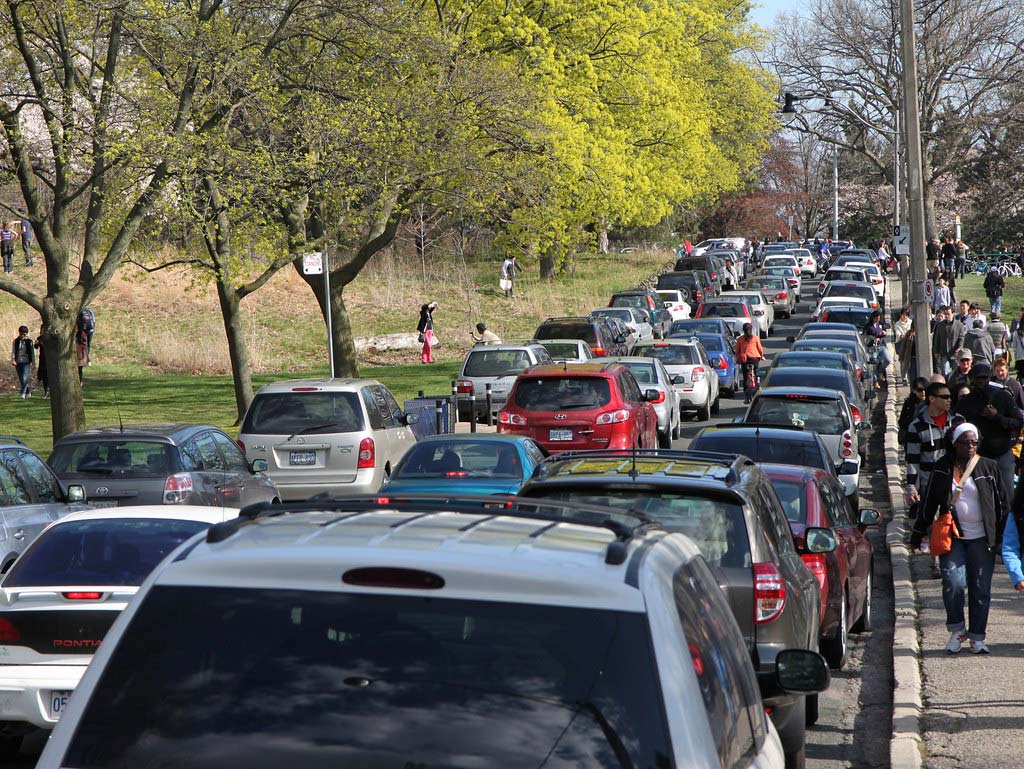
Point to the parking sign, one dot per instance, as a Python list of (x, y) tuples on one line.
[(901, 239)]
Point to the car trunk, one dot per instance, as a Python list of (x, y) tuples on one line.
[(575, 430), (43, 627), (107, 492), (312, 459)]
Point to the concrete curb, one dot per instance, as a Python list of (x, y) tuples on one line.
[(906, 747)]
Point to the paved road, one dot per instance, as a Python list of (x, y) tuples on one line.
[(855, 714)]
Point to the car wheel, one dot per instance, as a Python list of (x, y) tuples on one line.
[(10, 746), (811, 715), (834, 648), (704, 412), (716, 406), (664, 440), (863, 623)]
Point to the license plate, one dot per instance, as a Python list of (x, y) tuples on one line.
[(58, 703), (302, 458), (560, 435)]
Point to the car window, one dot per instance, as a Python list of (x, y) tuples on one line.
[(381, 404), (47, 488), (670, 354), (212, 459), (490, 684), (304, 413), (836, 506), (584, 331), (818, 415), (535, 452), (630, 300), (688, 327), (712, 343), (564, 393), (788, 360), (113, 458), (376, 420), (470, 459), (392, 405), (494, 363), (723, 310), (721, 664), (629, 387), (797, 450), (563, 350), (233, 457), (643, 373), (12, 485), (191, 459), (777, 518), (793, 496)]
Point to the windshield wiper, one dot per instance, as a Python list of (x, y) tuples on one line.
[(313, 429), (568, 406)]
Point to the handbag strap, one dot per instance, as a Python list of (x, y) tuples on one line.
[(958, 487)]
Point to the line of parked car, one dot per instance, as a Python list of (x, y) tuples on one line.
[(382, 598)]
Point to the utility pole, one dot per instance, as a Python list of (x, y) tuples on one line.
[(835, 191), (915, 197)]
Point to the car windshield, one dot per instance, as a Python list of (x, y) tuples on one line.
[(622, 313), (670, 296), (670, 354), (460, 459), (584, 331), (793, 496), (687, 327), (791, 359), (776, 448), (562, 350), (844, 275), (630, 300), (677, 280), (779, 261), (784, 271), (820, 415), (495, 363), (563, 393), (856, 317), (308, 413), (334, 679), (100, 552), (114, 459), (716, 526), (723, 310)]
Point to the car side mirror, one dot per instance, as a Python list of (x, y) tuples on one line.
[(620, 338), (869, 516), (863, 426), (678, 379), (819, 540), (259, 465), (791, 339), (848, 468), (801, 671), (75, 493), (410, 419), (651, 395)]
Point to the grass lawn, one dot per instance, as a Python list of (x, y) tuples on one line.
[(144, 397)]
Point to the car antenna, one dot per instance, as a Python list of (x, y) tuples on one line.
[(120, 422)]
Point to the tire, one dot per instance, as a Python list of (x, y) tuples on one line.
[(811, 715), (863, 623), (834, 648), (10, 746), (797, 760), (664, 440), (704, 412), (716, 406)]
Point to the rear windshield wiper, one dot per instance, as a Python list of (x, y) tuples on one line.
[(314, 428)]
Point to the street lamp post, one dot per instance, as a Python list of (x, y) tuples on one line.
[(789, 112)]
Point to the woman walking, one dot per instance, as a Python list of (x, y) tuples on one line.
[(903, 332), (22, 357), (426, 329), (41, 375), (1017, 348), (968, 486), (875, 333), (749, 353)]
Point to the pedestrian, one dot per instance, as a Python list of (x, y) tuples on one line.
[(961, 375), (960, 260), (876, 332), (732, 279), (1017, 348), (508, 275), (1016, 322), (486, 337), (26, 237), (994, 285), (7, 236), (926, 443), (991, 408), (947, 338), (749, 354), (1011, 550), (426, 329), (940, 294), (22, 357), (1000, 335), (967, 485), (932, 252), (914, 399), (87, 324), (1001, 377), (41, 374), (948, 254), (974, 313), (81, 351), (903, 332), (978, 341), (965, 311)]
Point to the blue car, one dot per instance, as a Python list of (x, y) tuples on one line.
[(723, 357), (471, 463), (684, 329)]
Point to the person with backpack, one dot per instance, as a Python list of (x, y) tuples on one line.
[(23, 355), (87, 326), (994, 285)]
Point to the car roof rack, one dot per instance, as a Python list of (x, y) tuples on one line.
[(624, 524), (759, 426), (11, 439), (731, 462)]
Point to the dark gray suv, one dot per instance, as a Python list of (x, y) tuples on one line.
[(729, 508), (160, 464)]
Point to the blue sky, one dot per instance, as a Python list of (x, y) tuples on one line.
[(765, 11)]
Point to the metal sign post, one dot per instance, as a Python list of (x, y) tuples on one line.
[(317, 263)]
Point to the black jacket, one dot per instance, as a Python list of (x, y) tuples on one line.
[(26, 349), (907, 415), (994, 284), (991, 495), (998, 432), (932, 250), (426, 319)]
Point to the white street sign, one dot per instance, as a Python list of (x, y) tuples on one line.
[(901, 239), (313, 264), (929, 289)]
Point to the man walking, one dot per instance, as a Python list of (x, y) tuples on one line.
[(933, 251), (940, 294), (23, 355), (926, 441), (948, 337), (948, 254), (978, 341), (508, 274), (991, 408), (994, 285)]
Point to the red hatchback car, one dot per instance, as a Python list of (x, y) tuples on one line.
[(585, 406), (813, 497)]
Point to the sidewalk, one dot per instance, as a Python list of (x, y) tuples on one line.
[(960, 711)]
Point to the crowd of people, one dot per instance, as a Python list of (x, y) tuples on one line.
[(26, 353)]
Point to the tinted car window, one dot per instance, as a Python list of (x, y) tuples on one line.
[(712, 343), (47, 488), (584, 331), (819, 415), (13, 489), (558, 683), (232, 455), (793, 497), (819, 377), (858, 318), (643, 373), (629, 388), (212, 459), (376, 418), (380, 403), (562, 350), (622, 313), (460, 459), (795, 451), (562, 393), (723, 310), (670, 355), (191, 459), (107, 552), (496, 362), (113, 459), (631, 300), (304, 414), (788, 360), (684, 327)]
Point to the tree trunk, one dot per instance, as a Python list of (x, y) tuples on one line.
[(346, 363), (67, 409), (238, 349), (547, 267)]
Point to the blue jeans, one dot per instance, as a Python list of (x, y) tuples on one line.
[(8, 258), (997, 303), (24, 370), (967, 567)]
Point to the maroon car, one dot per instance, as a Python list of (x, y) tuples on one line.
[(812, 497)]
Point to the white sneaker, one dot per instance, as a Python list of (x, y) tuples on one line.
[(955, 642), (978, 647)]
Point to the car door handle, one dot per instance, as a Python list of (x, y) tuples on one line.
[(19, 534)]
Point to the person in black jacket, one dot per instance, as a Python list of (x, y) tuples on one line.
[(23, 355), (426, 329), (992, 409), (979, 512), (994, 285), (908, 412)]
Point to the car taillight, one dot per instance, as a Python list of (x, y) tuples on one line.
[(698, 374), (769, 593), (598, 351), (698, 296), (714, 275), (177, 489), (508, 418), (367, 454), (9, 631), (83, 596), (782, 295), (860, 373), (464, 386), (720, 363), (659, 399), (847, 442), (746, 310), (815, 563), (613, 417), (857, 418), (240, 445)]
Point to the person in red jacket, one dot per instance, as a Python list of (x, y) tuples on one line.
[(749, 353)]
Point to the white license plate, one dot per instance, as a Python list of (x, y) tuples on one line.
[(58, 703), (302, 458), (560, 435)]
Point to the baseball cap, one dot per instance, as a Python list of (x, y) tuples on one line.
[(965, 355)]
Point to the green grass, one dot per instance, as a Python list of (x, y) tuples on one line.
[(971, 288), (148, 398)]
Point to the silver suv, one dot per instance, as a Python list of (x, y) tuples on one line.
[(496, 365), (333, 436)]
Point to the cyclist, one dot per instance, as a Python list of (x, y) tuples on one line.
[(749, 353)]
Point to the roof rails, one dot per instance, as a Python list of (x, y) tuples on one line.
[(11, 439), (624, 524), (731, 462), (569, 317), (759, 425)]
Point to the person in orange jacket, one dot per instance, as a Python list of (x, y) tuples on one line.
[(749, 354)]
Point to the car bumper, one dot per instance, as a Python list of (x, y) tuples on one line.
[(365, 482), (26, 691), (664, 416), (693, 398), (851, 483)]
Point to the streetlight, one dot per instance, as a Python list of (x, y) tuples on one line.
[(789, 113)]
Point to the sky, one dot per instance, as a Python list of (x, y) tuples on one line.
[(765, 11)]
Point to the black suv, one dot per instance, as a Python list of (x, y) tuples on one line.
[(597, 332), (729, 508), (714, 266), (649, 302), (688, 281)]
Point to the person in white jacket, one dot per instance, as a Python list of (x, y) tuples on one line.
[(732, 278)]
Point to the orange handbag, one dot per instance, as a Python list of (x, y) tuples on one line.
[(944, 527)]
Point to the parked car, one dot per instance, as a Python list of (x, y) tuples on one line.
[(650, 373), (790, 274), (815, 498), (635, 323), (177, 464), (692, 373), (675, 302), (728, 507), (859, 289), (684, 329), (721, 352), (401, 611), (469, 463), (711, 287), (836, 301), (776, 290), (597, 333), (782, 260), (689, 281), (649, 302), (827, 330), (806, 261), (31, 498), (761, 310), (847, 274), (874, 276), (333, 436), (568, 350), (736, 314), (710, 264), (61, 596), (496, 365), (591, 405)]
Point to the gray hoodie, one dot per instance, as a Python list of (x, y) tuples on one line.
[(948, 338), (980, 344)]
